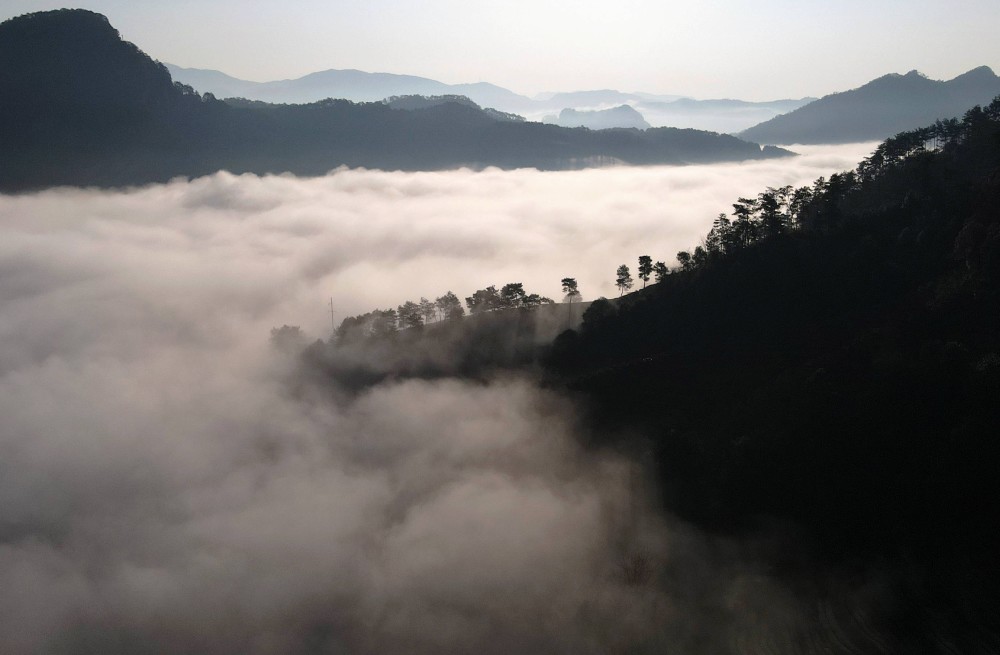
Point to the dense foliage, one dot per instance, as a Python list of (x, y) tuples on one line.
[(835, 333)]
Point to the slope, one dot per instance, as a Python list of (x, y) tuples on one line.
[(883, 107), (82, 107)]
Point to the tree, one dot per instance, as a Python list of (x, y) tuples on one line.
[(645, 268), (427, 309), (699, 257), (483, 300), (571, 293), (450, 306), (534, 300), (661, 271), (745, 228), (383, 322), (624, 279), (512, 295), (409, 315), (684, 259)]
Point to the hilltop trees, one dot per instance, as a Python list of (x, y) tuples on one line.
[(571, 293), (512, 295), (623, 280), (427, 309), (483, 300), (858, 316), (449, 306), (409, 315), (645, 268)]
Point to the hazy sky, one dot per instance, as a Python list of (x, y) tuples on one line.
[(751, 49)]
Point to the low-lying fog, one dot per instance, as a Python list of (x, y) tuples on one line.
[(162, 489)]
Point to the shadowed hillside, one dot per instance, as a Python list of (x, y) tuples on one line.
[(890, 104), (82, 107), (829, 359)]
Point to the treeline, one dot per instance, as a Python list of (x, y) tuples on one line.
[(829, 362), (382, 322), (824, 368), (825, 205), (828, 355)]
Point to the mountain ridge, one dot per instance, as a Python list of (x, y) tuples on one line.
[(81, 106), (662, 110), (880, 108)]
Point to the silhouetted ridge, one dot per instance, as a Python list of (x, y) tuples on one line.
[(76, 56), (82, 107), (885, 106), (828, 361)]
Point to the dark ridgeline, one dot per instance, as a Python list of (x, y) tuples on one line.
[(829, 359), (883, 107), (79, 106)]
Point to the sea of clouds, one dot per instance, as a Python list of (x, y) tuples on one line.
[(165, 487)]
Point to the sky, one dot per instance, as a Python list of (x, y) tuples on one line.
[(748, 49)]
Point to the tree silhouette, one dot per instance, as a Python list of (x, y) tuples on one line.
[(450, 306), (624, 279), (571, 292), (661, 271), (746, 230), (483, 300), (409, 315), (684, 259), (512, 295), (427, 309), (645, 268)]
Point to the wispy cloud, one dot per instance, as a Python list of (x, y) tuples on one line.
[(164, 489)]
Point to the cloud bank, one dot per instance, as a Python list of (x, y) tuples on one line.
[(164, 487)]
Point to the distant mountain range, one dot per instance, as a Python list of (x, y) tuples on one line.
[(879, 109), (656, 109), (883, 107), (354, 85), (80, 106)]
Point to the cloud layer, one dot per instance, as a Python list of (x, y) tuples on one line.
[(165, 488)]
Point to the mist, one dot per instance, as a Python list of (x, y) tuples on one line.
[(167, 486)]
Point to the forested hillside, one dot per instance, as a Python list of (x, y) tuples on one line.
[(826, 361), (829, 358)]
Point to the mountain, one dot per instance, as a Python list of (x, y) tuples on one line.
[(725, 116), (355, 85), (883, 107), (825, 371), (600, 119), (80, 106), (818, 383)]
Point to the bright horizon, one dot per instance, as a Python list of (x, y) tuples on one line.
[(763, 50)]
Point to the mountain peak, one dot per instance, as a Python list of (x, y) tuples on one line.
[(885, 106), (65, 21), (978, 73), (77, 55)]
